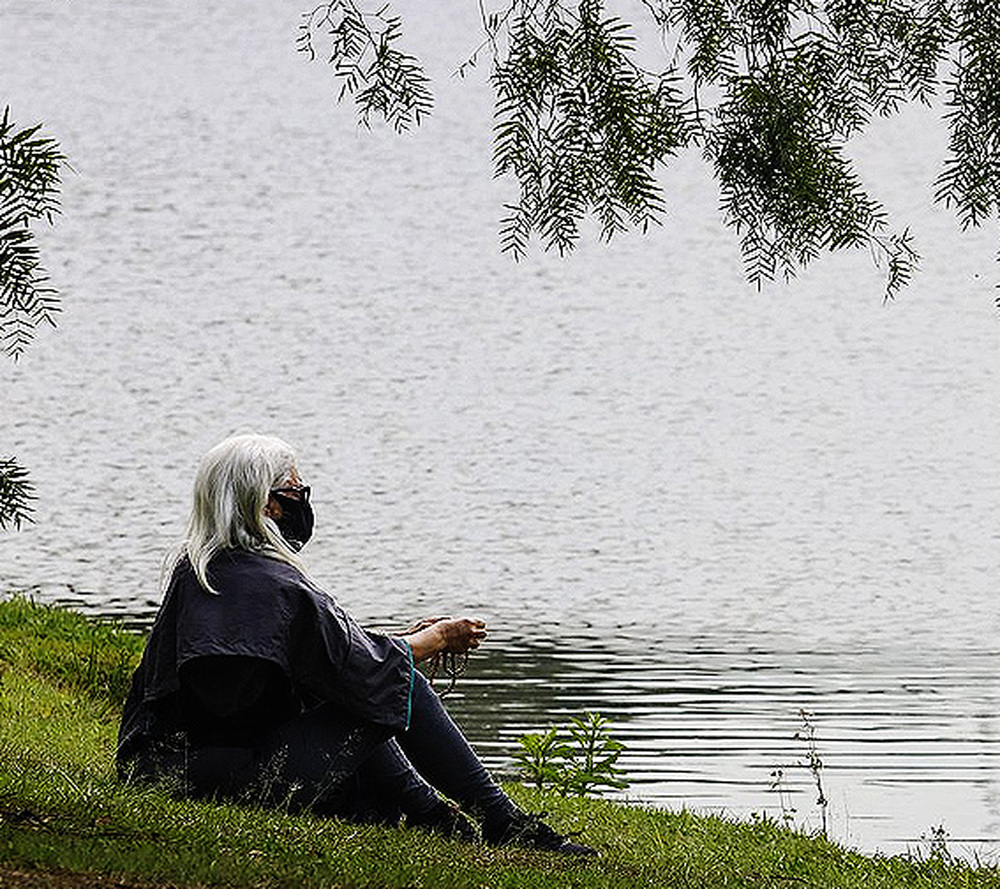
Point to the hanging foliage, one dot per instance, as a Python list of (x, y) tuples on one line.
[(769, 91), (29, 191)]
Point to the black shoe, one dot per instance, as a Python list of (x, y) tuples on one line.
[(446, 820), (532, 832)]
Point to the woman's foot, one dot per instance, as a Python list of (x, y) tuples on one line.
[(530, 831)]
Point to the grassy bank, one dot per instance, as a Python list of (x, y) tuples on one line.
[(64, 815)]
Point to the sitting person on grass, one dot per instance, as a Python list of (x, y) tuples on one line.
[(256, 685)]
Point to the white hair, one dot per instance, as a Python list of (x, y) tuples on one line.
[(231, 490)]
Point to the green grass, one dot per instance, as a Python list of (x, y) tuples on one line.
[(61, 808)]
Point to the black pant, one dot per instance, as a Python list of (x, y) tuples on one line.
[(331, 764)]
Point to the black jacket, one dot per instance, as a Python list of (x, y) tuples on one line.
[(227, 668)]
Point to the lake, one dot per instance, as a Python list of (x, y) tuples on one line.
[(694, 507)]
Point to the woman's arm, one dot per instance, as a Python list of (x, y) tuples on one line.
[(454, 635)]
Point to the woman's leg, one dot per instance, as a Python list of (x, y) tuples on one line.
[(311, 762), (334, 765), (438, 750), (386, 782), (442, 755), (325, 762)]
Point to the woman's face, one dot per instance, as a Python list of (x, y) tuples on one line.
[(289, 508), (290, 488)]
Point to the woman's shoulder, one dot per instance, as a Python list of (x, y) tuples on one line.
[(237, 569), (257, 562), (246, 570)]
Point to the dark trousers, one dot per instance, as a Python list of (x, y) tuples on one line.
[(330, 764)]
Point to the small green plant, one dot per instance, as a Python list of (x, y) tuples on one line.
[(541, 756), (813, 763), (578, 759), (777, 786), (935, 841)]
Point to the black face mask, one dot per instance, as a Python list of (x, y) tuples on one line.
[(297, 519)]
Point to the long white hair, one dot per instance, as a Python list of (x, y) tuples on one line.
[(231, 490)]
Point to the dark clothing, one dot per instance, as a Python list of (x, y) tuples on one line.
[(269, 691), (298, 649), (230, 700)]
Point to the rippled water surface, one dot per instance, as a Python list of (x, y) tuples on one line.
[(694, 507)]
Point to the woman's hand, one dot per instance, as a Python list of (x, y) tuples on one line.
[(421, 624), (454, 635), (461, 634)]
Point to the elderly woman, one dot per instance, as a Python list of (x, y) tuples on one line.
[(256, 685)]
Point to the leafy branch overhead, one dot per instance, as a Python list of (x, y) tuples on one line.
[(768, 91), (29, 191), (363, 49), (16, 494)]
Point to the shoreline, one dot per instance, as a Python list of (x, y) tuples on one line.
[(66, 822)]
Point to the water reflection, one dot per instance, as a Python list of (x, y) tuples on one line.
[(707, 726)]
